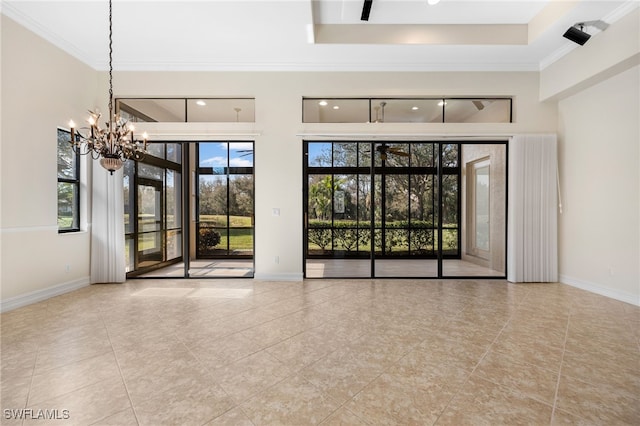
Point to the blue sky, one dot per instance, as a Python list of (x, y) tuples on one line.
[(214, 154)]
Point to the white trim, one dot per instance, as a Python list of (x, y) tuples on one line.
[(599, 289), (395, 135), (18, 229), (44, 294), (291, 276), (35, 27)]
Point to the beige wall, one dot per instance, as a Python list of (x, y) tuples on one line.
[(42, 88), (278, 149), (599, 153)]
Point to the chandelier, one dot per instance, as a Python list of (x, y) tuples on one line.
[(114, 144)]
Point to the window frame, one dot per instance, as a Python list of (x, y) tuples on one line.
[(73, 181)]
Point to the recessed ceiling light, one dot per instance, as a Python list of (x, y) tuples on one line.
[(432, 2), (200, 102), (323, 103), (441, 103), (336, 107), (415, 108)]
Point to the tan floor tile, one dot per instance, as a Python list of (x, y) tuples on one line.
[(233, 417), (343, 417), (563, 418), (621, 371), (484, 403), (195, 402), (293, 401), (87, 405), (388, 348), (597, 403), (143, 361), (304, 349), (14, 392), (530, 380), (440, 349), (344, 373), (166, 376), (529, 348), (122, 418), (250, 375), (401, 397), (50, 384), (217, 353), (58, 354)]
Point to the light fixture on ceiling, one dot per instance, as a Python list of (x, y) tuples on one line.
[(433, 2), (237, 110), (116, 143), (336, 107), (366, 10), (200, 102), (577, 34), (323, 103), (414, 108)]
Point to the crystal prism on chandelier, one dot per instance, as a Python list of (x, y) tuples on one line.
[(115, 143)]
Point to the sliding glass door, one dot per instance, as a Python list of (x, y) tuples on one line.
[(201, 226), (153, 210), (390, 209)]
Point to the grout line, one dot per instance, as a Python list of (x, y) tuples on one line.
[(564, 347), (115, 356)]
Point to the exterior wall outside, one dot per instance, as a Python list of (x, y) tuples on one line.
[(599, 155)]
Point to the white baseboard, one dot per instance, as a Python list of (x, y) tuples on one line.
[(293, 276), (44, 294), (603, 291)]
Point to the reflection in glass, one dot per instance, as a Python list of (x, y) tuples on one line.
[(153, 110), (478, 111), (221, 110), (406, 111), (331, 110)]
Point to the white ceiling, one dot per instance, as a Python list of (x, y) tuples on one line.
[(315, 35)]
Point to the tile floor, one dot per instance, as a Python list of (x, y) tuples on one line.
[(330, 352)]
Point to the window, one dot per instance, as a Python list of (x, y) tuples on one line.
[(407, 110), (68, 185)]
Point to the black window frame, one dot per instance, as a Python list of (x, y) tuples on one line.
[(73, 181)]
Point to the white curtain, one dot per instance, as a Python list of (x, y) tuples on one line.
[(532, 242), (107, 227)]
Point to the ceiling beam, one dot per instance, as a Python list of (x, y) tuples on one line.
[(480, 34)]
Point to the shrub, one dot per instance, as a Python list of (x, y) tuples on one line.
[(208, 239)]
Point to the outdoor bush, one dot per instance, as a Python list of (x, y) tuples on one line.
[(208, 239)]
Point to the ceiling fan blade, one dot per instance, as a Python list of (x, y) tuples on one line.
[(478, 104)]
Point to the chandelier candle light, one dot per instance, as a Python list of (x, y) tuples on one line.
[(116, 143)]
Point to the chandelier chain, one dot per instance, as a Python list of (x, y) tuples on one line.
[(110, 61), (115, 144)]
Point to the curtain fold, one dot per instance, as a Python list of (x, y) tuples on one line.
[(532, 242), (107, 227)]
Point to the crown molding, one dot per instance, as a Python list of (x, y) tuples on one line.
[(29, 23)]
